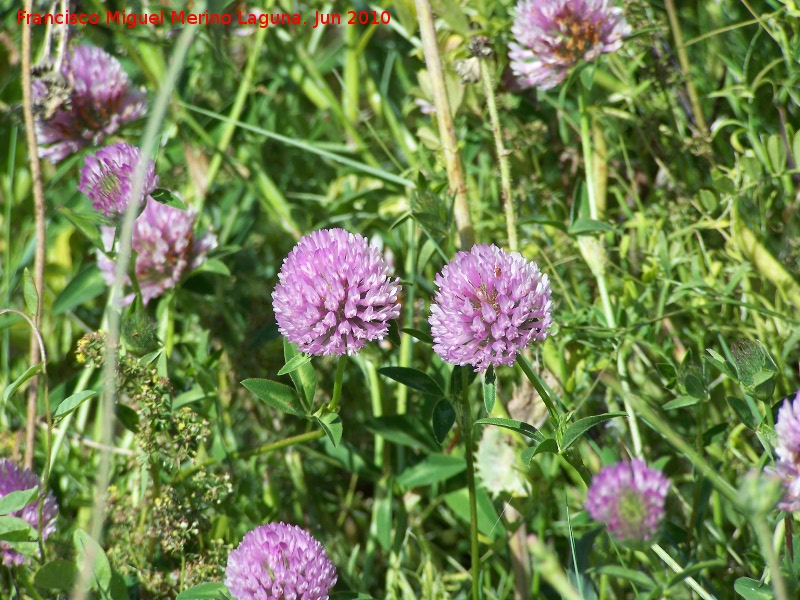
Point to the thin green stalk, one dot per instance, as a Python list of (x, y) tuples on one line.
[(683, 59), (594, 254), (236, 112), (670, 562), (447, 133), (762, 532), (502, 155), (108, 396), (41, 233), (337, 383), (466, 434), (406, 341), (350, 95)]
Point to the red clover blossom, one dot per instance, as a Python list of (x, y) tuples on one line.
[(106, 178), (787, 427), (629, 498), (334, 294), (491, 304), (166, 248)]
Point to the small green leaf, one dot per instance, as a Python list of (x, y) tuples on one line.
[(720, 363), (56, 575), (488, 519), (549, 445), (101, 569), (695, 569), (213, 266), (277, 395), (405, 430), (581, 426), (667, 370), (413, 378), (489, 389), (29, 293), (586, 226), (14, 501), (681, 402), (165, 196), (518, 426), (419, 335), (15, 385), (442, 420), (87, 284), (204, 591), (432, 469), (14, 529), (301, 371), (750, 589), (629, 574), (742, 411), (331, 424), (128, 417), (297, 361), (73, 402), (86, 224), (457, 379)]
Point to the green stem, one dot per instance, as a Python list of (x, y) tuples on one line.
[(236, 111), (337, 383), (683, 59), (466, 433), (447, 132), (502, 156), (594, 254), (280, 444), (765, 541)]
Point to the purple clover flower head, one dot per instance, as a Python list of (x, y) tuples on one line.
[(334, 294), (100, 101), (490, 305), (107, 178), (629, 498), (787, 427), (553, 35), (14, 479), (166, 249), (279, 561)]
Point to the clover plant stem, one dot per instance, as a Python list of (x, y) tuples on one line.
[(337, 383), (759, 524), (447, 132), (466, 433), (598, 267), (502, 155)]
